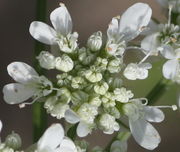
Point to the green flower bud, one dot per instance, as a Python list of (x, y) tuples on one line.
[(79, 97), (46, 60), (115, 83), (13, 141), (114, 65), (95, 41), (77, 82), (64, 63), (86, 57), (101, 88), (95, 100), (101, 63), (93, 76), (97, 149)]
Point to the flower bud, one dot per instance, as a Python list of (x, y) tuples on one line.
[(93, 76), (46, 60), (114, 65), (64, 63), (108, 123), (101, 88), (95, 41), (122, 95), (13, 141)]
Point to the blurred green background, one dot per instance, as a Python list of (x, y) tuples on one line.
[(88, 16)]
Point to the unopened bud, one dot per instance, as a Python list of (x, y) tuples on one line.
[(13, 141)]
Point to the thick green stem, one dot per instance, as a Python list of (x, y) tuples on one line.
[(39, 113), (157, 91)]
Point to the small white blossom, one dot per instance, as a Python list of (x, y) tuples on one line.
[(29, 84), (139, 117), (171, 69), (95, 41), (135, 71), (122, 95), (122, 30), (53, 140), (114, 66), (108, 124), (64, 63), (60, 34), (46, 60)]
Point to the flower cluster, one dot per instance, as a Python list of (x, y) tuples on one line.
[(88, 88)]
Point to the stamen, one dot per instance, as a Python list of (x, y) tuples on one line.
[(22, 105), (170, 12), (173, 107), (145, 58), (61, 4)]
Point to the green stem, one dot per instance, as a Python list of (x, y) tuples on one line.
[(157, 91), (39, 113)]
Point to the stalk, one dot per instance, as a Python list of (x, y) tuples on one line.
[(39, 116)]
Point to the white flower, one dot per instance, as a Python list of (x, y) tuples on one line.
[(171, 69), (64, 63), (108, 124), (53, 140), (46, 60), (29, 84), (129, 26), (60, 35), (135, 71), (93, 76), (122, 95), (139, 117), (85, 116)]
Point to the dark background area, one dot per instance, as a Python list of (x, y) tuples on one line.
[(88, 16)]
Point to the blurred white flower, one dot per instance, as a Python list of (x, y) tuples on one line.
[(135, 71), (171, 69), (108, 123), (85, 115), (53, 140), (139, 117), (130, 25), (60, 35), (29, 84)]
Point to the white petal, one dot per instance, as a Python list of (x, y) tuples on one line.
[(144, 134), (113, 28), (21, 72), (170, 69), (153, 114), (43, 32), (15, 93), (68, 145), (83, 129), (168, 52), (1, 125), (134, 19), (150, 43), (152, 28), (52, 137), (71, 116), (61, 20)]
